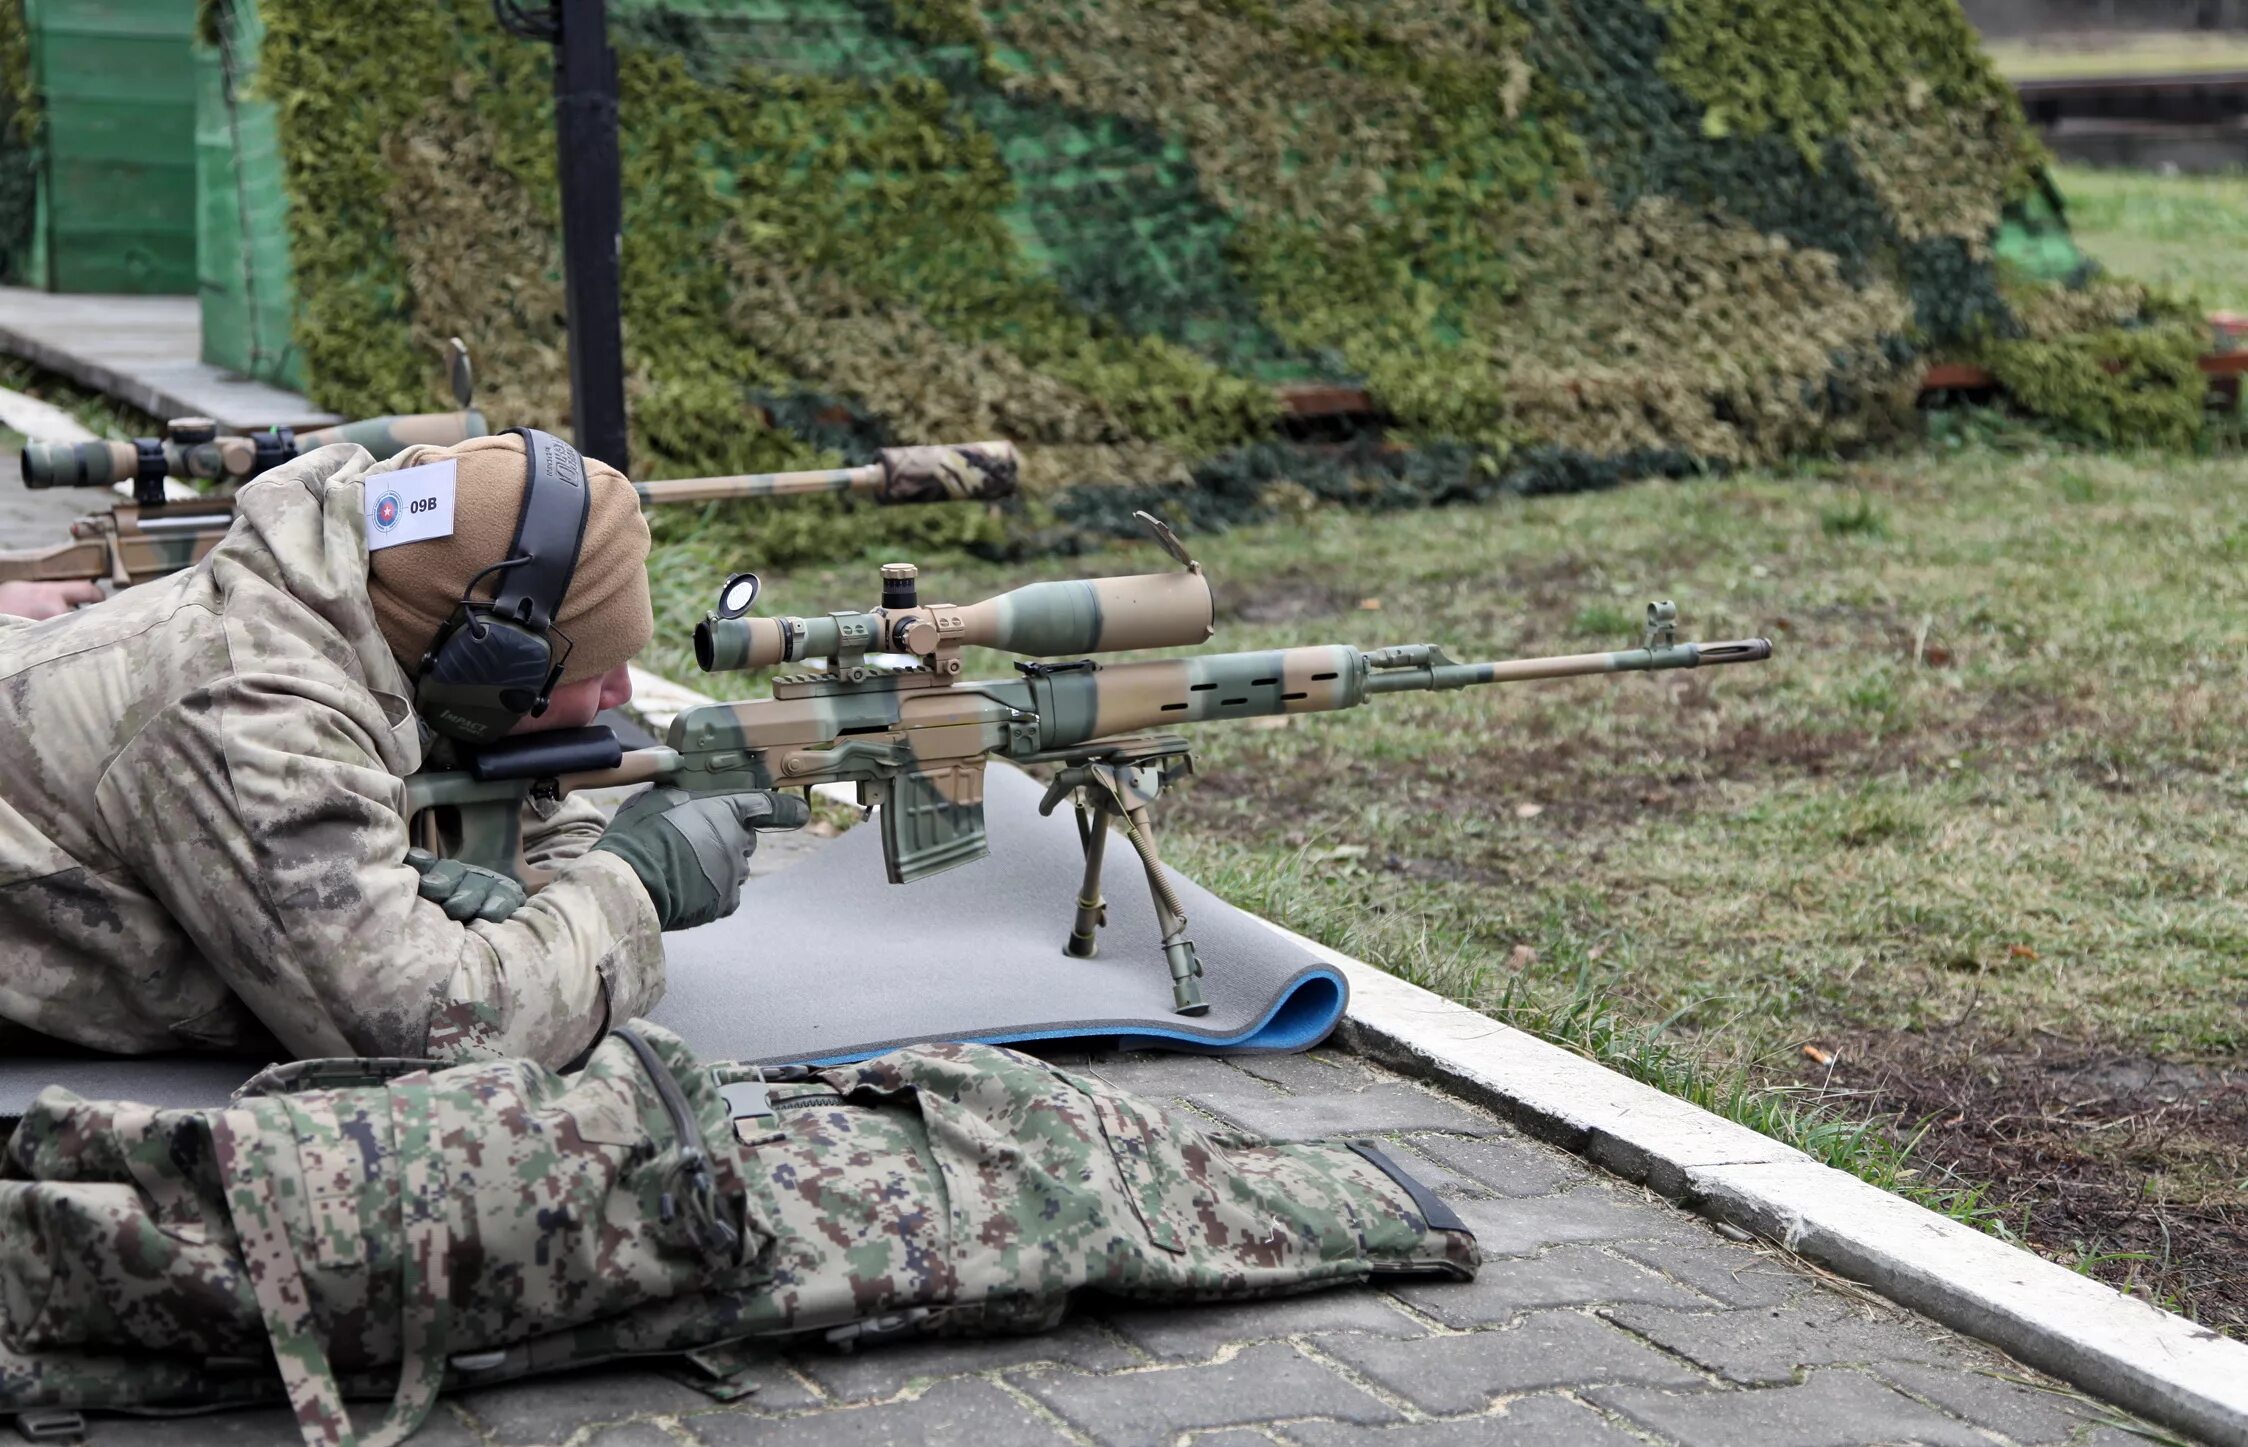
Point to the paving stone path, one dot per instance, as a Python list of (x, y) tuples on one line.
[(1603, 1316)]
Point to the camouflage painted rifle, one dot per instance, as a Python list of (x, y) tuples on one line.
[(915, 739), (132, 542), (150, 537), (154, 534)]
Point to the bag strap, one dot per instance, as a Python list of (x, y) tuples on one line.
[(420, 1115), (285, 1303)]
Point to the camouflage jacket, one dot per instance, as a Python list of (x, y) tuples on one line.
[(201, 835)]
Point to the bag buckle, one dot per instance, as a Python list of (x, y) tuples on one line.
[(747, 1099), (910, 1322), (51, 1424)]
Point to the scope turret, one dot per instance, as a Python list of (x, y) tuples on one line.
[(1042, 620)]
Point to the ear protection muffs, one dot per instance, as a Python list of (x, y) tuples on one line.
[(494, 664)]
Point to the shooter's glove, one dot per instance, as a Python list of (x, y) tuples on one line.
[(467, 891), (693, 854)]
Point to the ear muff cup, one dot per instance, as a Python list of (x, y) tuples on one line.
[(484, 676)]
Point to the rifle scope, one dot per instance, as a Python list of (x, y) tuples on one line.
[(192, 448), (1042, 620)]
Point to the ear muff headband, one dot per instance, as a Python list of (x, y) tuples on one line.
[(493, 664), (548, 532)]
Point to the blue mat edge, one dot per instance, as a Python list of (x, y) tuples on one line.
[(1304, 1015)]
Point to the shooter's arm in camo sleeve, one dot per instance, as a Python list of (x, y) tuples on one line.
[(563, 832), (263, 817)]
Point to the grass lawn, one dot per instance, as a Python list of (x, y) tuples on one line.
[(2188, 233), (1963, 858)]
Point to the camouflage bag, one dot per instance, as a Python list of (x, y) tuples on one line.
[(371, 1229)]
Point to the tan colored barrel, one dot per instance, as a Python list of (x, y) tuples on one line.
[(950, 472)]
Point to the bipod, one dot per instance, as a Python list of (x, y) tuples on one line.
[(1121, 780)]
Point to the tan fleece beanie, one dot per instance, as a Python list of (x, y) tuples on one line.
[(605, 614)]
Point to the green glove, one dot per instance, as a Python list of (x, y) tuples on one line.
[(467, 892), (693, 854)]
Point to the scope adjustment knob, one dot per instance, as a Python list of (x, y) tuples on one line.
[(900, 586), (191, 431)]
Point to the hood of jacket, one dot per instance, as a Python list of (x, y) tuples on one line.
[(302, 529)]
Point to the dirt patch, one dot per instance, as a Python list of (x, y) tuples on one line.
[(2133, 1167)]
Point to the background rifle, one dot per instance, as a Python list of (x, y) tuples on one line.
[(914, 740), (150, 536), (153, 534)]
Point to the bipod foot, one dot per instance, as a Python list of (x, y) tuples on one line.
[(1092, 913), (1186, 978)]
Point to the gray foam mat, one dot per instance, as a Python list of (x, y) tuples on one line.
[(827, 961)]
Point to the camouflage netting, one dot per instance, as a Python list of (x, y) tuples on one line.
[(1560, 242), (19, 144)]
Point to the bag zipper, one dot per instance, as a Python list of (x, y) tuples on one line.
[(808, 1099), (705, 1225)]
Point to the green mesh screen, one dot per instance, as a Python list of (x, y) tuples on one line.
[(1558, 242), (19, 147), (243, 270), (112, 86)]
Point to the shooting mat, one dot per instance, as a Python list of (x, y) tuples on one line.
[(825, 961)]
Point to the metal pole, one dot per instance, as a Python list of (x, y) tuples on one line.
[(585, 129)]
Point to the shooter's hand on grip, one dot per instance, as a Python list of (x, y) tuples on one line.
[(693, 854)]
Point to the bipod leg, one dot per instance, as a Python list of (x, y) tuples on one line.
[(1178, 950), (1092, 912)]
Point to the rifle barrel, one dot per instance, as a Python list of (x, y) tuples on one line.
[(958, 471), (1417, 667)]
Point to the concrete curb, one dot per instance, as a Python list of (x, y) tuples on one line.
[(2113, 1346), (39, 421), (131, 347)]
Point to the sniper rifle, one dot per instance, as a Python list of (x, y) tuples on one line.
[(156, 533), (152, 535), (915, 739)]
